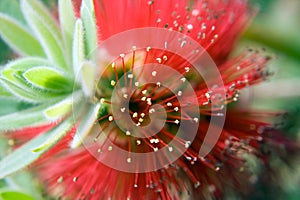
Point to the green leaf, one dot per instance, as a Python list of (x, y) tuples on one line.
[(25, 93), (47, 78), (4, 92), (4, 146), (25, 155), (58, 110), (46, 30), (9, 105), (86, 124), (23, 64), (18, 38), (29, 117), (87, 14), (78, 46), (88, 78), (67, 24), (13, 195), (22, 182), (12, 80), (62, 108), (54, 137), (12, 8), (18, 91)]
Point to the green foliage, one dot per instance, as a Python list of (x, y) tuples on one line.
[(17, 78), (78, 46), (67, 24), (19, 119), (86, 124), (33, 149), (47, 78), (19, 38), (13, 195), (46, 30), (89, 23)]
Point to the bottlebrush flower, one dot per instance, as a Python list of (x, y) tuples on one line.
[(138, 89)]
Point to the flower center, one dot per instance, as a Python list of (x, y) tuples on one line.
[(147, 105)]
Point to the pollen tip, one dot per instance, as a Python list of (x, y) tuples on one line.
[(110, 118), (112, 83), (128, 133)]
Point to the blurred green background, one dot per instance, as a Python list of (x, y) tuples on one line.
[(277, 29)]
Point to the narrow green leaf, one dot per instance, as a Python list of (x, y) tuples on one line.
[(23, 64), (47, 78), (62, 108), (46, 30), (18, 91), (54, 137), (87, 14), (87, 77), (12, 8), (67, 24), (86, 124), (28, 94), (78, 46), (25, 155), (20, 65), (58, 110), (9, 105), (90, 5), (25, 118), (18, 38), (24, 91), (14, 195), (12, 80), (4, 92), (22, 181)]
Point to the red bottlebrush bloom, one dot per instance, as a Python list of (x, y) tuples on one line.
[(216, 25), (185, 99)]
